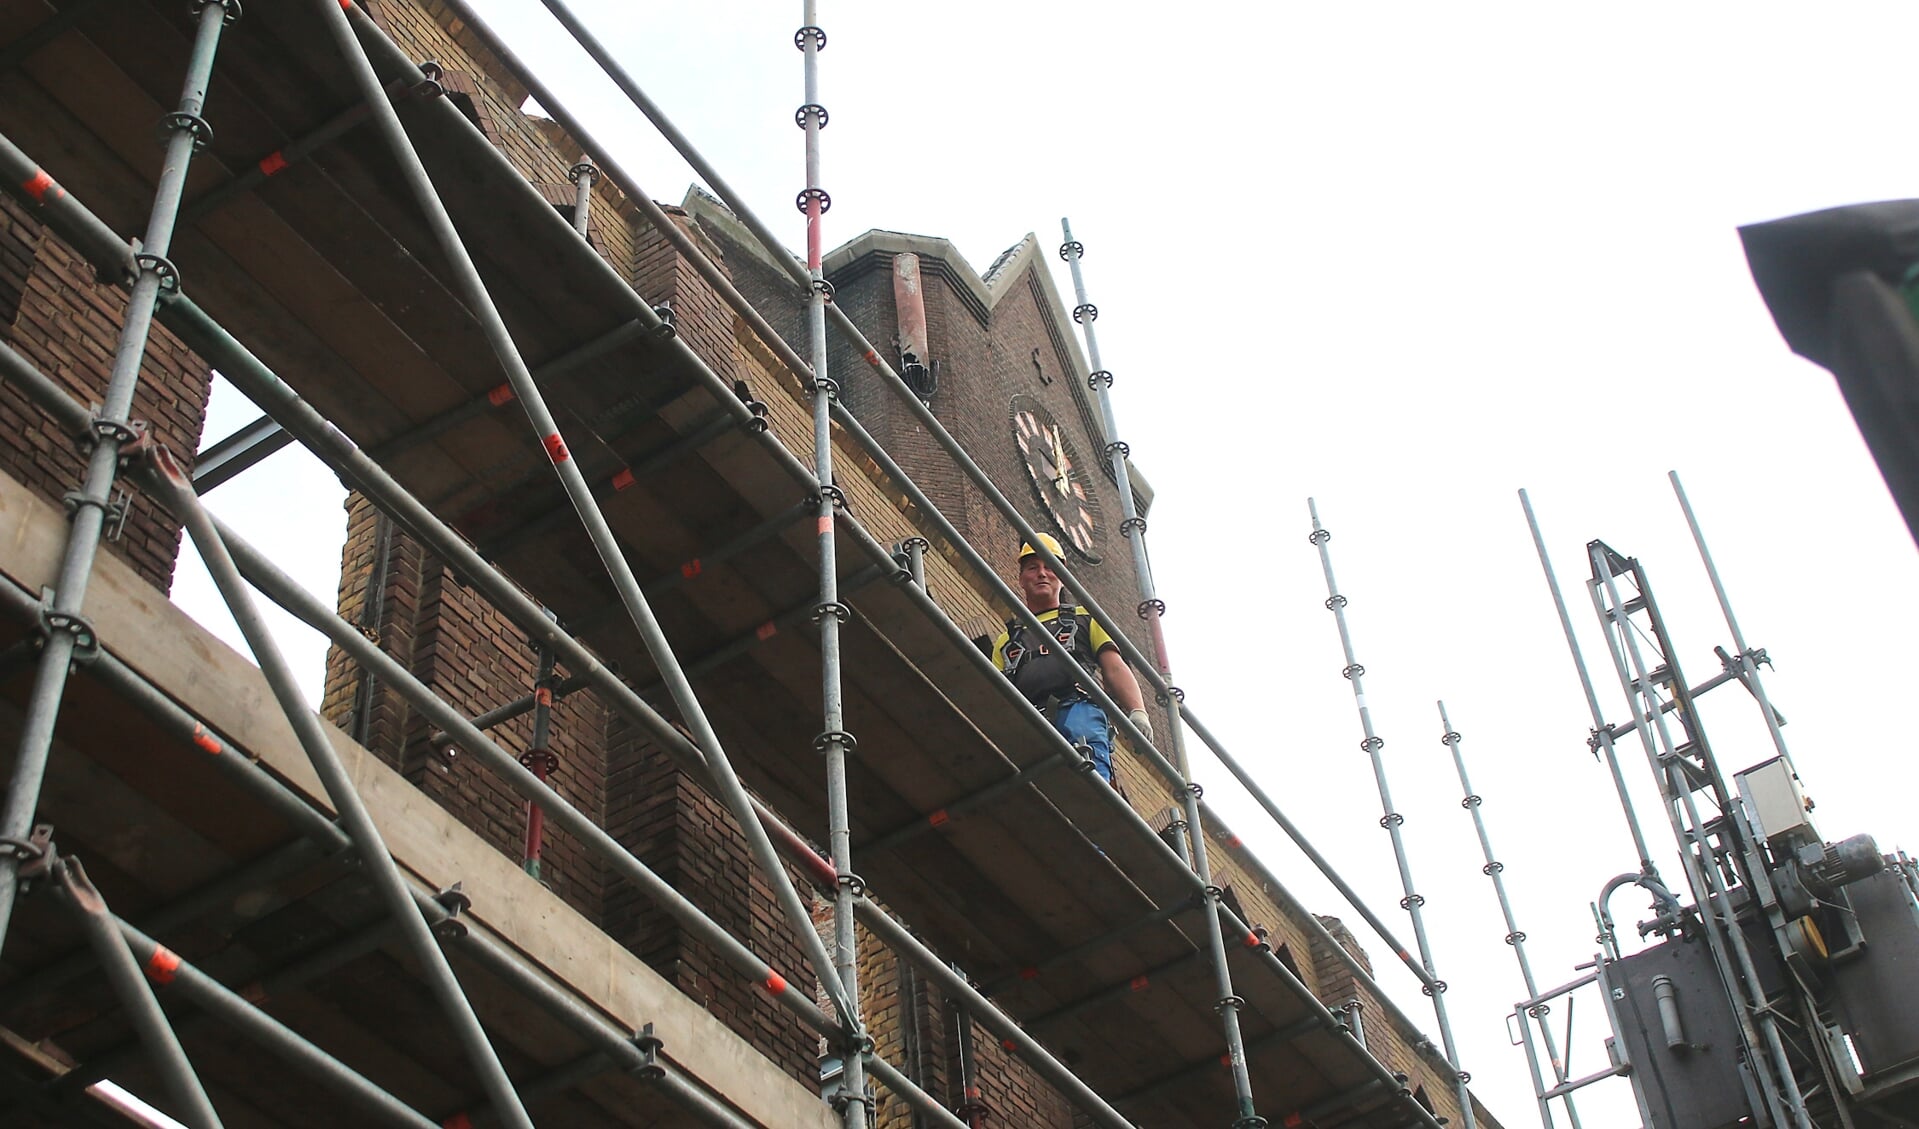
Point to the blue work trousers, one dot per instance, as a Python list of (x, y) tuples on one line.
[(1083, 723)]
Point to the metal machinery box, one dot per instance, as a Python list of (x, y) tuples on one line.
[(1878, 990), (1774, 799), (1699, 1085)]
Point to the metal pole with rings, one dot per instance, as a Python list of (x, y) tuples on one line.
[(113, 430), (1151, 609), (1391, 820)]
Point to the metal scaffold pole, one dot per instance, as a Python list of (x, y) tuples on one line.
[(169, 1059), (1748, 663), (384, 873), (472, 289), (834, 741), (1515, 936), (1602, 735), (1151, 609), (67, 634), (1391, 820)]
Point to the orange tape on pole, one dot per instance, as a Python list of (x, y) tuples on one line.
[(40, 186), (206, 740), (163, 965), (624, 479), (555, 448), (499, 394), (272, 163), (775, 984)]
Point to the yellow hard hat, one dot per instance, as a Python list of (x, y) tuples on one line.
[(1046, 539)]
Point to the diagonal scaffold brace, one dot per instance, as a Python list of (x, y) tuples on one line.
[(123, 972), (472, 289), (176, 490)]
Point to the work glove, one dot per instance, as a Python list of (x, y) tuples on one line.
[(1142, 723)]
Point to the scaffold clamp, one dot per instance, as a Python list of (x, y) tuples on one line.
[(1372, 744), (86, 641), (163, 269), (811, 196), (1085, 312), (1251, 1121), (1335, 602), (668, 327), (649, 1046), (1098, 379), (833, 608), (1391, 820), (1233, 1002), (1449, 738), (810, 32), (1471, 802), (585, 169), (232, 7), (1320, 536), (35, 852), (1072, 249), (846, 741), (1436, 988), (1353, 671), (455, 903), (429, 85), (180, 121), (852, 883), (808, 112)]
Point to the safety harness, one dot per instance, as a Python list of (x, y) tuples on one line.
[(1050, 674)]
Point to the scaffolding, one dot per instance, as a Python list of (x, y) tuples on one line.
[(412, 159)]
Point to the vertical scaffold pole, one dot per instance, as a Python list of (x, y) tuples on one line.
[(582, 175), (1391, 820), (471, 288), (539, 759), (1151, 608), (1601, 740), (67, 633), (834, 741), (1748, 667), (1515, 936)]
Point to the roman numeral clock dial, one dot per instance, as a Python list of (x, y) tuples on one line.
[(1061, 482)]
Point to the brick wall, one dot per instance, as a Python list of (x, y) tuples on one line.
[(66, 324)]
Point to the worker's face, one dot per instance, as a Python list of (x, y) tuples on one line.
[(1038, 584)]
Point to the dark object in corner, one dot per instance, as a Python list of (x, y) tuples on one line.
[(1839, 284)]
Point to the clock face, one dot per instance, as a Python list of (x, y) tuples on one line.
[(1061, 481)]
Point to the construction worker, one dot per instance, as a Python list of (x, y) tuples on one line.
[(1053, 672)]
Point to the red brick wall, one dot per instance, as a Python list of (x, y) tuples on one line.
[(66, 324)]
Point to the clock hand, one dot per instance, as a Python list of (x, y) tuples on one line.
[(1059, 462)]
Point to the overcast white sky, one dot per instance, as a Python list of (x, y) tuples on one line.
[(1403, 258)]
